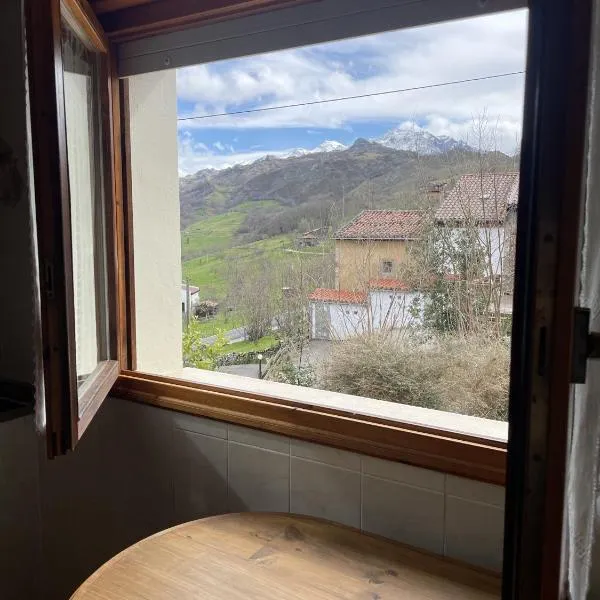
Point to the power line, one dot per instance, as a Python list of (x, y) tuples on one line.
[(310, 103)]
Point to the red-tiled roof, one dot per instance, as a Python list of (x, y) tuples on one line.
[(480, 198), (342, 296), (383, 225), (389, 284)]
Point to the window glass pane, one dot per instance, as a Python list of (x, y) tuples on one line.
[(338, 217), (80, 79)]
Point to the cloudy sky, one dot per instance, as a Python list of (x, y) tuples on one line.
[(402, 59)]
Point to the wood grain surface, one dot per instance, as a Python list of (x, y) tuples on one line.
[(252, 556)]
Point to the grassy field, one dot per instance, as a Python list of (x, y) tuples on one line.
[(211, 251), (264, 343), (212, 234), (223, 322), (210, 272)]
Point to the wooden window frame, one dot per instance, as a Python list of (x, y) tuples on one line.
[(465, 455), (552, 166), (471, 456), (69, 411), (125, 20)]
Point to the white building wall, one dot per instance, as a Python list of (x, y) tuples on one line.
[(339, 321), (156, 231), (394, 310), (491, 240), (194, 300), (387, 309), (348, 320)]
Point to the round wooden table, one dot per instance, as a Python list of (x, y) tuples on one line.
[(252, 556)]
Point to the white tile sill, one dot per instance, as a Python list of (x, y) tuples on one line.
[(355, 405)]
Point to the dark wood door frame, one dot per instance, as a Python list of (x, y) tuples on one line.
[(550, 206)]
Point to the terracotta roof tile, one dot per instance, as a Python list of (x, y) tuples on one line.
[(383, 225), (480, 198), (389, 284), (342, 296)]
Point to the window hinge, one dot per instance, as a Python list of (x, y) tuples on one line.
[(586, 345)]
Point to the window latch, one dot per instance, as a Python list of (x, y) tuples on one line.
[(586, 345)]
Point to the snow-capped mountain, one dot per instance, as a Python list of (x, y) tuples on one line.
[(296, 152), (330, 146), (415, 139), (326, 146)]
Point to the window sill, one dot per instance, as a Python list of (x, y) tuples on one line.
[(451, 423), (461, 445)]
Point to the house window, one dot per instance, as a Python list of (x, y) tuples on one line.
[(228, 227), (207, 202), (387, 267), (76, 221), (134, 248)]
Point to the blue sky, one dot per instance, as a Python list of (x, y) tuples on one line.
[(450, 51)]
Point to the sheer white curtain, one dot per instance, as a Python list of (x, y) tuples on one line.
[(582, 468)]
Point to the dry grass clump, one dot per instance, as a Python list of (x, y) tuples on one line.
[(467, 375)]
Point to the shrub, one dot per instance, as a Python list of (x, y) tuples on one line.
[(195, 352), (206, 309), (296, 375), (467, 375)]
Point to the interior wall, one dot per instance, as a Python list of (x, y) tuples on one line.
[(20, 547), (139, 469), (20, 540), (16, 303), (59, 519), (217, 467), (156, 227)]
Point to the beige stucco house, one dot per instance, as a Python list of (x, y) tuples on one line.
[(368, 293), (373, 246)]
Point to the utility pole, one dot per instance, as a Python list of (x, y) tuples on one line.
[(188, 303)]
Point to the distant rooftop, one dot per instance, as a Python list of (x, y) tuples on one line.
[(193, 289), (341, 296), (383, 225), (480, 198), (389, 284)]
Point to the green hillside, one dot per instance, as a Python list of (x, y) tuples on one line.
[(211, 234), (211, 272), (230, 230)]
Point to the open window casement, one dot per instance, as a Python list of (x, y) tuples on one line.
[(71, 121)]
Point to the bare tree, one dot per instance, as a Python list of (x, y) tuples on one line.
[(467, 265), (252, 294)]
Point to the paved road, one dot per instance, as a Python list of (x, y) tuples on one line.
[(239, 334)]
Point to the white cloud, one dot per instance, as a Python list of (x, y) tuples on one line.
[(194, 156), (445, 52), (416, 57)]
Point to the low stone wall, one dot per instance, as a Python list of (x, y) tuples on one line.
[(244, 358)]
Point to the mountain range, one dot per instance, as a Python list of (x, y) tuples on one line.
[(330, 184), (421, 141), (411, 139)]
